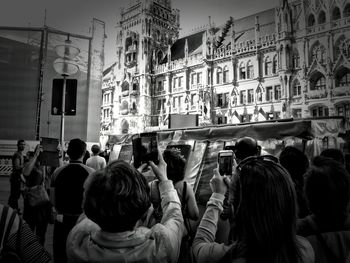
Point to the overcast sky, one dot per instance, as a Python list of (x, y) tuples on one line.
[(74, 16)]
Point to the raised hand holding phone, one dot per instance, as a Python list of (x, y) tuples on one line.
[(160, 169), (218, 183)]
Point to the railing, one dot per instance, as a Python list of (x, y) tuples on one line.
[(341, 91)]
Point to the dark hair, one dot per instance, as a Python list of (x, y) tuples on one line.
[(176, 164), (327, 188), (296, 163), (246, 147), (334, 154), (266, 217), (20, 141), (76, 149), (95, 149), (116, 197)]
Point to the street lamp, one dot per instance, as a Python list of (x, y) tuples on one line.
[(65, 66)]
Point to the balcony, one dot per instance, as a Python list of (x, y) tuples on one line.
[(341, 91), (124, 112), (134, 93), (125, 93), (317, 94)]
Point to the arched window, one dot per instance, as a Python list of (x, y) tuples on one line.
[(347, 10), (322, 17), (219, 75), (125, 86), (250, 70), (242, 71), (296, 59), (274, 65), (124, 108), (225, 76), (296, 90), (336, 13), (268, 66), (318, 82), (159, 56), (311, 20), (342, 78)]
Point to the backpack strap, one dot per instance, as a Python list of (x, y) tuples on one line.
[(327, 250), (3, 223)]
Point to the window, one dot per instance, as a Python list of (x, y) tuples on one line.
[(343, 78), (242, 71), (250, 70), (336, 13), (311, 20), (221, 120), (322, 17), (296, 59), (180, 82), (296, 89), (269, 93), (274, 66), (278, 92), (318, 82), (343, 110), (219, 76), (193, 79), (199, 78), (194, 99), (223, 100), (225, 75), (243, 97), (268, 67), (175, 83), (296, 113), (347, 10), (250, 96), (320, 111)]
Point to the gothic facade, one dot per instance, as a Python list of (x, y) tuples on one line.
[(288, 62)]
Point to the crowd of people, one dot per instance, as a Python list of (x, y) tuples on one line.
[(273, 209)]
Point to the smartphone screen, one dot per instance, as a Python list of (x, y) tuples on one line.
[(225, 162), (149, 148)]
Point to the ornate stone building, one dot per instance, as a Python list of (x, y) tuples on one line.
[(291, 61)]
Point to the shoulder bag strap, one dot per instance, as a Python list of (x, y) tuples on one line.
[(3, 222), (329, 252)]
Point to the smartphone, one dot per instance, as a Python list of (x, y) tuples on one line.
[(225, 160), (184, 149), (136, 146), (149, 147)]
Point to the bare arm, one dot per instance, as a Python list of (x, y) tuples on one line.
[(192, 208), (28, 168)]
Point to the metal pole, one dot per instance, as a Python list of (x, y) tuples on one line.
[(63, 108)]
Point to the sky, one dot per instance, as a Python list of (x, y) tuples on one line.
[(75, 16)]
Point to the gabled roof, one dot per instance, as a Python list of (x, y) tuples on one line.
[(194, 42)]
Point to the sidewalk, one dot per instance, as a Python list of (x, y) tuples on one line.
[(4, 195)]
